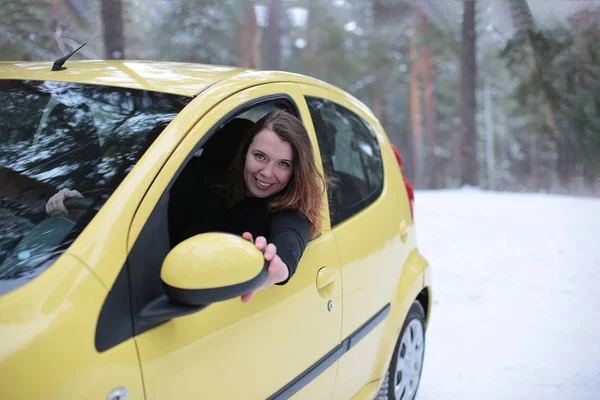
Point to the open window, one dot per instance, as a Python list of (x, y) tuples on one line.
[(140, 277), (209, 163)]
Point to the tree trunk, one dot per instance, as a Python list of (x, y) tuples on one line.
[(313, 40), (250, 40), (376, 66), (194, 18), (524, 23), (468, 106), (490, 156), (415, 113), (457, 155), (534, 163), (564, 163), (112, 25), (377, 103), (54, 24), (430, 118), (274, 36)]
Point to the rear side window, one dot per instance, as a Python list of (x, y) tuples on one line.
[(56, 135), (351, 154)]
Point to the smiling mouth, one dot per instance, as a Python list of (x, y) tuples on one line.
[(262, 184)]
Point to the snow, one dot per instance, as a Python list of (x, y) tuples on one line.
[(516, 295)]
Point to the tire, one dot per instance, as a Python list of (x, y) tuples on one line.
[(404, 373)]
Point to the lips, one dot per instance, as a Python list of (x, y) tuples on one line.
[(262, 184)]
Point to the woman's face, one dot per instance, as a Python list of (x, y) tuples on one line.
[(268, 167)]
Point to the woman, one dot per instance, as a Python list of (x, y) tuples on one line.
[(273, 196)]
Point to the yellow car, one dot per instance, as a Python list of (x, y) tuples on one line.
[(99, 304)]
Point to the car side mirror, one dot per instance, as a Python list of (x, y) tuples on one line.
[(212, 267)]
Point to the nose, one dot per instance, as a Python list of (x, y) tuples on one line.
[(267, 171)]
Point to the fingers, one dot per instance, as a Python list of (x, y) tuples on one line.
[(270, 251), (278, 271), (70, 194), (266, 284), (261, 243), (55, 205), (247, 297), (48, 209)]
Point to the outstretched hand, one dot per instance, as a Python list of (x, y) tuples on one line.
[(55, 207), (278, 271)]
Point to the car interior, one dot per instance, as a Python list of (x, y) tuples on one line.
[(346, 196), (215, 158), (66, 139), (218, 153)]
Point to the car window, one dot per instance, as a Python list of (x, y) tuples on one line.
[(210, 163), (56, 135), (351, 154)]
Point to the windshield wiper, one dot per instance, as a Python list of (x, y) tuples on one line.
[(58, 64)]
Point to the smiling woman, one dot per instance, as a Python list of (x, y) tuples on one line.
[(268, 164), (290, 158), (272, 195)]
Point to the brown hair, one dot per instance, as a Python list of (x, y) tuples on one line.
[(304, 192)]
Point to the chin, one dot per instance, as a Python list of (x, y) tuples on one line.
[(261, 195)]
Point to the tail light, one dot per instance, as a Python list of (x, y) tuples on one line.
[(409, 188)]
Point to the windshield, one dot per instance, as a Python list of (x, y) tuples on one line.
[(56, 135)]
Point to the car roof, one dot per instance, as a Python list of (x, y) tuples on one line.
[(184, 79)]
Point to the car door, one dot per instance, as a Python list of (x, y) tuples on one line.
[(369, 223), (273, 347)]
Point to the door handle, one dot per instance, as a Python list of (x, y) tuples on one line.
[(326, 282)]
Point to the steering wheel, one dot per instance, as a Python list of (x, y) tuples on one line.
[(85, 204), (78, 203)]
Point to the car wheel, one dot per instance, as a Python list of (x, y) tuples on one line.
[(404, 374)]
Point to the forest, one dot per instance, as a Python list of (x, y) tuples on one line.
[(498, 94)]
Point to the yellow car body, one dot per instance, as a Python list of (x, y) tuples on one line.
[(329, 333)]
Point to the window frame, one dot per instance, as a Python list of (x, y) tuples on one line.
[(138, 281), (154, 231)]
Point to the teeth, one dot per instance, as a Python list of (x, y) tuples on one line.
[(263, 184)]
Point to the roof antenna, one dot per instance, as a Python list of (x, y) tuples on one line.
[(58, 64)]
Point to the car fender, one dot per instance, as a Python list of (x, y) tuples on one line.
[(408, 288)]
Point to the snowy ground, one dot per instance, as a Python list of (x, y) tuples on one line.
[(516, 312)]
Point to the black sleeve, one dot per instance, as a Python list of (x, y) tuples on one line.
[(290, 233)]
